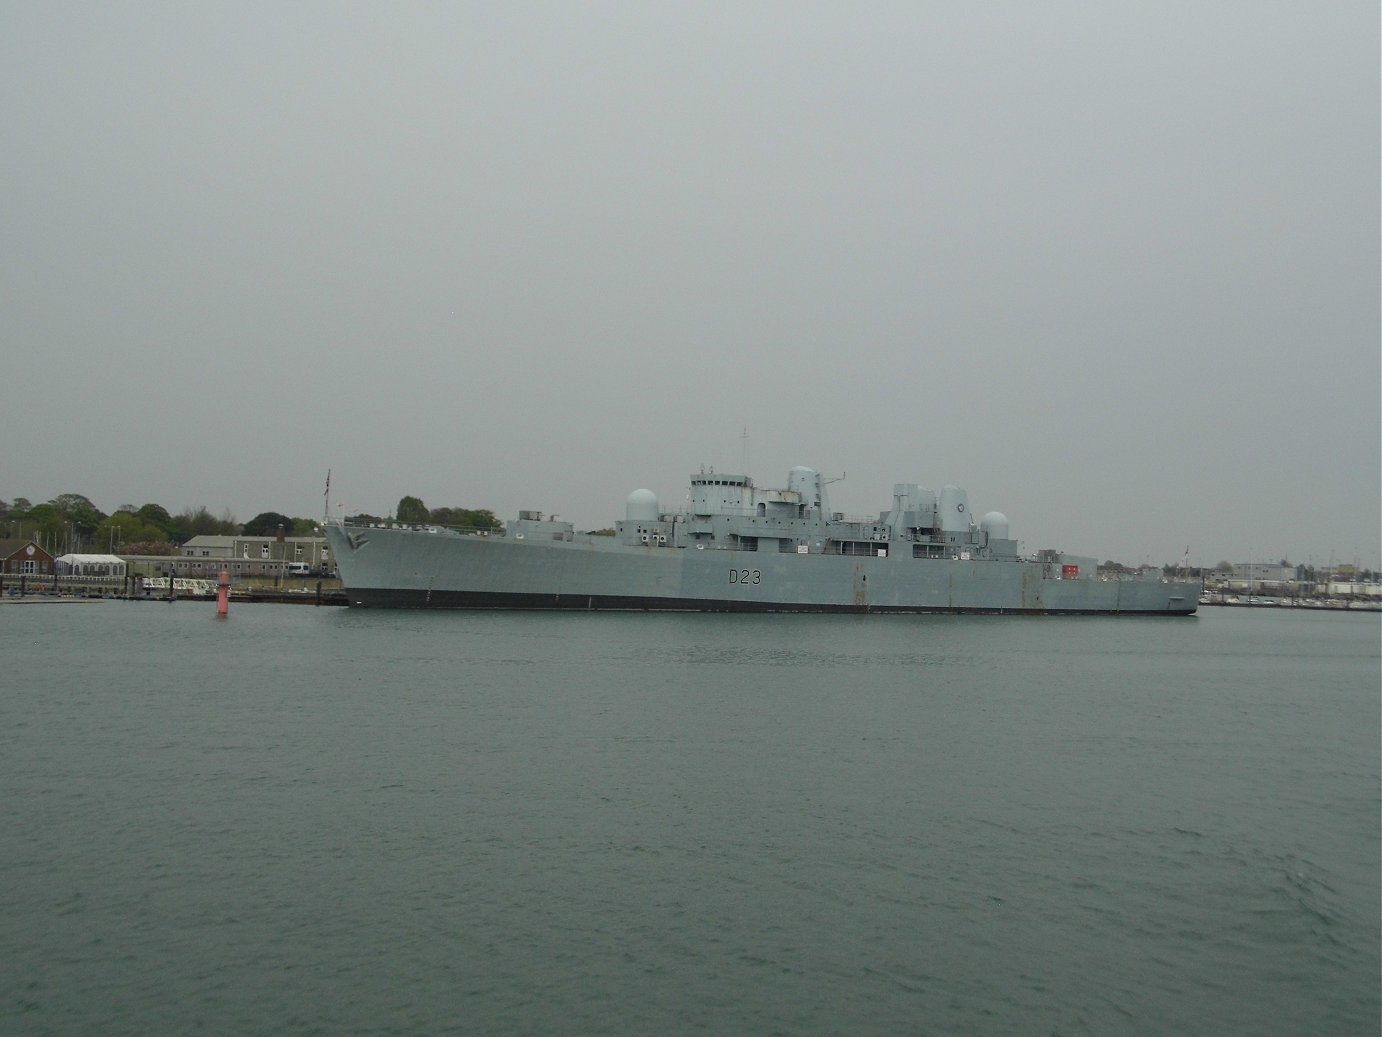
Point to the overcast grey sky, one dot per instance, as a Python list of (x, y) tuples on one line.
[(1114, 268)]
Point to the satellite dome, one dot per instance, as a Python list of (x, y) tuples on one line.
[(995, 524), (641, 506)]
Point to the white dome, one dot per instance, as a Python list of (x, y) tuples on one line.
[(641, 506), (995, 524)]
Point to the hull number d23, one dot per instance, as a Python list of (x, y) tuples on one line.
[(745, 576)]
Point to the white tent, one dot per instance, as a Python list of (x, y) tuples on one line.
[(106, 566)]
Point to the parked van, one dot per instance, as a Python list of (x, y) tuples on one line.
[(299, 569)]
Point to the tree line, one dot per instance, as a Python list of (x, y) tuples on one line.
[(412, 512), (70, 522)]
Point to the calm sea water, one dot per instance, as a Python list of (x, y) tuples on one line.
[(317, 821)]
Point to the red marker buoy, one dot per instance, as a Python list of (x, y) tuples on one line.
[(223, 595)]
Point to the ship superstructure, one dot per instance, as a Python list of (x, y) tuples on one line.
[(727, 512)]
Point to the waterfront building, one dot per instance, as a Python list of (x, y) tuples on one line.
[(92, 567), (23, 557), (252, 555)]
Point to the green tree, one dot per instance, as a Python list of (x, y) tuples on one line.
[(125, 528), (412, 511), (482, 518), (77, 510), (191, 522), (266, 524), (156, 515), (16, 518), (445, 516), (466, 518), (45, 516)]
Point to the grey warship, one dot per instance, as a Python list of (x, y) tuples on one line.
[(735, 547)]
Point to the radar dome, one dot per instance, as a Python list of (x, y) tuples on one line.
[(995, 524), (641, 506)]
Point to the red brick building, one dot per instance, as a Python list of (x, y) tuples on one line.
[(24, 558)]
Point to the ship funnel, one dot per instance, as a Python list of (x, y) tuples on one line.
[(954, 510)]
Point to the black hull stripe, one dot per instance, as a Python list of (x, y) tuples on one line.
[(399, 599)]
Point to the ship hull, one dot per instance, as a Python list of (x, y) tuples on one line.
[(407, 568)]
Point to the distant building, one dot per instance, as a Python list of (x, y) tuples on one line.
[(1263, 572), (1353, 589), (250, 555), (24, 558), (1255, 578), (92, 567)]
